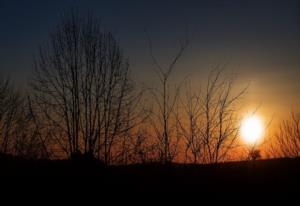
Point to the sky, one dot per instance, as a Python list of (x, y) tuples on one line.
[(258, 39)]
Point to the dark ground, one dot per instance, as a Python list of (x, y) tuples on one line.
[(268, 178)]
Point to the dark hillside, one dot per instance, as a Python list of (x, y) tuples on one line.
[(261, 172)]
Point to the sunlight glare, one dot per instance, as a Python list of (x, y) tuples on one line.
[(252, 129)]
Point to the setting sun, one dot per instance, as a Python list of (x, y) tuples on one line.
[(252, 129)]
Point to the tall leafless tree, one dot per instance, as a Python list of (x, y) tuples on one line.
[(209, 119), (165, 104), (82, 86), (221, 124)]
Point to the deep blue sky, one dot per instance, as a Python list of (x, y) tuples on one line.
[(260, 38)]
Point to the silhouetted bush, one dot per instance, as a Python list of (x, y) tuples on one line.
[(255, 154)]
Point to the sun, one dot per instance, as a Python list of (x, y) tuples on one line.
[(252, 129)]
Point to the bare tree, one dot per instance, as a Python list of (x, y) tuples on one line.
[(189, 121), (209, 119), (19, 133), (286, 141), (165, 104), (137, 147), (82, 86), (30, 139), (10, 102), (134, 117), (143, 147), (220, 129)]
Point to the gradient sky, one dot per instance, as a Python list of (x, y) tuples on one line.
[(259, 39)]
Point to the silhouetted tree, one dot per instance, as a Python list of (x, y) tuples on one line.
[(189, 120), (31, 140), (143, 147), (209, 119), (134, 118), (286, 141), (221, 123), (82, 87), (19, 132), (10, 102), (162, 120)]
